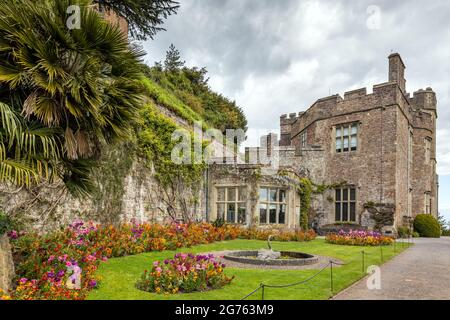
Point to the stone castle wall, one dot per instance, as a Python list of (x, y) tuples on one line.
[(127, 189)]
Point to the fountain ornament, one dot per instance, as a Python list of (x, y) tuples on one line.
[(265, 254), (269, 257)]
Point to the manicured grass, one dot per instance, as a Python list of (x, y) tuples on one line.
[(119, 275)]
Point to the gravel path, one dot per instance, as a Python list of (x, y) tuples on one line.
[(421, 272)]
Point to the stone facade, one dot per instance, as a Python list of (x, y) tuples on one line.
[(394, 161), (6, 264), (252, 178), (380, 147)]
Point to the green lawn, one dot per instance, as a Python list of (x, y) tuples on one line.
[(120, 274)]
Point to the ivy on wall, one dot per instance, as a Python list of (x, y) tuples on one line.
[(306, 190), (155, 144), (114, 165)]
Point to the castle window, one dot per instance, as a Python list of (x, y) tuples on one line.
[(347, 137), (345, 205), (427, 203), (304, 139), (272, 206), (427, 150), (231, 204)]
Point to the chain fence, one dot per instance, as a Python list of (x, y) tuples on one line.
[(262, 287)]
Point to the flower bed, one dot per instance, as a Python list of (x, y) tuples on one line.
[(4, 296), (359, 238), (184, 273), (47, 265), (262, 234)]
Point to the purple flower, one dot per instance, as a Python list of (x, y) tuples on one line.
[(13, 235)]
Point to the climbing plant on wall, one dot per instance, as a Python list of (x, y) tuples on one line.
[(155, 144), (306, 190)]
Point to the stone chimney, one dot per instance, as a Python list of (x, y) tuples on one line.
[(397, 71)]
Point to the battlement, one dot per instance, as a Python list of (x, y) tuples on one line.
[(354, 94), (291, 117), (424, 99), (335, 97)]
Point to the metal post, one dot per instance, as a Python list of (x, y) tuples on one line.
[(331, 277), (262, 292), (363, 264)]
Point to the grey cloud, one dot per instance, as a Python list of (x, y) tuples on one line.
[(277, 57)]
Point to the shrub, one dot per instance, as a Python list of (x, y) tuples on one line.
[(286, 235), (403, 232), (5, 223), (427, 226), (184, 273), (415, 234), (359, 238), (220, 222)]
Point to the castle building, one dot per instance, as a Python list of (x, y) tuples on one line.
[(377, 149)]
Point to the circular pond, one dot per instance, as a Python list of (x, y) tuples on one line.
[(287, 258)]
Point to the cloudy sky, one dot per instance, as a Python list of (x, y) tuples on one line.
[(276, 57)]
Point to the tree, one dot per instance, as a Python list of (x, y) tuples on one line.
[(173, 60), (443, 224), (144, 17), (26, 152), (79, 88)]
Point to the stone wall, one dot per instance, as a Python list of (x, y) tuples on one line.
[(6, 264), (126, 189), (382, 169), (136, 195)]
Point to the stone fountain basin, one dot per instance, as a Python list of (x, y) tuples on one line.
[(294, 258)]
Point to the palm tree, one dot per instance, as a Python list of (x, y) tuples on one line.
[(79, 88), (26, 153)]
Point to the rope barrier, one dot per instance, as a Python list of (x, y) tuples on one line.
[(251, 293), (262, 286), (299, 282)]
